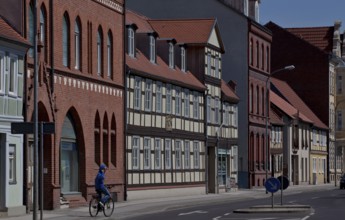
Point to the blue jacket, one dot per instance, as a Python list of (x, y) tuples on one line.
[(99, 181)]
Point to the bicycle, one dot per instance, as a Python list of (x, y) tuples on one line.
[(95, 208)]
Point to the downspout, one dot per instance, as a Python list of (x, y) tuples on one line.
[(51, 47), (206, 142), (125, 100)]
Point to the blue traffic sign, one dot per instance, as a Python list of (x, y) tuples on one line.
[(272, 185)]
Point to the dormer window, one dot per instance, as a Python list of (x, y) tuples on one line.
[(131, 42), (183, 59), (245, 7), (152, 49), (171, 55)]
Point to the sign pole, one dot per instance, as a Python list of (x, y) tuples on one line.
[(42, 167)]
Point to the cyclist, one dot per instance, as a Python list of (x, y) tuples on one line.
[(99, 185)]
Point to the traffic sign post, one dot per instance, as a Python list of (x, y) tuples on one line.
[(284, 184), (272, 185)]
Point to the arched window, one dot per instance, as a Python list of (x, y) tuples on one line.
[(251, 98), (263, 99), (97, 139), (77, 43), (113, 141), (257, 54), (99, 51), (65, 40), (31, 29), (106, 140), (251, 52), (267, 59), (110, 55), (257, 100), (262, 57), (43, 30)]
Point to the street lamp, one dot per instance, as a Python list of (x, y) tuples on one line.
[(290, 67)]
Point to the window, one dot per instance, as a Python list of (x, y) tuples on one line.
[(216, 111), (147, 153), (178, 101), (167, 154), (257, 54), (137, 93), (217, 72), (12, 163), (171, 55), (251, 98), (195, 106), (157, 153), (168, 99), (339, 85), (148, 95), (262, 57), (186, 155), (131, 42), (267, 59), (178, 163), (65, 40), (2, 72), (110, 54), (31, 29), (183, 59), (209, 99), (77, 39), (152, 49), (245, 7), (208, 64), (99, 51), (251, 52), (42, 25), (339, 120), (196, 155), (186, 103), (159, 97), (12, 87), (257, 100), (135, 153)]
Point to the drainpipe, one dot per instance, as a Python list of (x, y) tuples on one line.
[(125, 100), (206, 142), (51, 46)]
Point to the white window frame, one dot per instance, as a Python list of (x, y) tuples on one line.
[(158, 153), (137, 93), (186, 154), (217, 69), (131, 48), (167, 154), (183, 59), (148, 95), (152, 49), (186, 102), (178, 154), (171, 55), (135, 153), (2, 72), (12, 76), (195, 105), (77, 44), (12, 160), (158, 97), (178, 101), (208, 109), (147, 153), (196, 154), (168, 100), (339, 85), (216, 110)]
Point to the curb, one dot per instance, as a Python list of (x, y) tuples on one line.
[(274, 209)]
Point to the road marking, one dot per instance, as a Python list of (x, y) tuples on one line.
[(216, 218), (315, 197), (194, 212)]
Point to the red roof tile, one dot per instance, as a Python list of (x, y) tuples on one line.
[(291, 97), (9, 33), (228, 92), (139, 20), (321, 37), (275, 119), (185, 31)]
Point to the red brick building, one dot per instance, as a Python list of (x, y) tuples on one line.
[(81, 90)]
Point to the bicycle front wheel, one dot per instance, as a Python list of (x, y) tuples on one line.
[(93, 207), (109, 207)]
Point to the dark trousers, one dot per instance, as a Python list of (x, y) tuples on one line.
[(103, 190)]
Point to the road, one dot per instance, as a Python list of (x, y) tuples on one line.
[(326, 204)]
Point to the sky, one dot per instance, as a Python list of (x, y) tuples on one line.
[(303, 13)]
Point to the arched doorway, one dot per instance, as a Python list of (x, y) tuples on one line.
[(69, 160)]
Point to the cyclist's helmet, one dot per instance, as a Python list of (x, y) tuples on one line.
[(102, 167)]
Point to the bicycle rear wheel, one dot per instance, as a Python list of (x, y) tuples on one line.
[(93, 207), (109, 207)]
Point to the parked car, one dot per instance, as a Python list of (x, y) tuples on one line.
[(342, 181)]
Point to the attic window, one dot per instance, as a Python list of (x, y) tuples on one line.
[(131, 42), (152, 49), (171, 55), (183, 59)]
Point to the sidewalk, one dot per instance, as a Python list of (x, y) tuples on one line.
[(153, 205)]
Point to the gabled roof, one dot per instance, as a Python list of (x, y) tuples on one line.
[(287, 108), (275, 118), (228, 93), (321, 37), (9, 34), (288, 94), (188, 31), (160, 70)]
